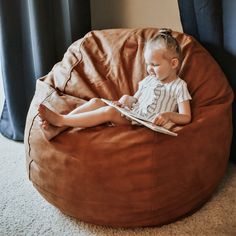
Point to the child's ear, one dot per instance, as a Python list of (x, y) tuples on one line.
[(175, 62)]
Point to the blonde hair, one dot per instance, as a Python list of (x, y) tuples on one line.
[(165, 39)]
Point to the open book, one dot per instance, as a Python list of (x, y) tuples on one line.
[(139, 119)]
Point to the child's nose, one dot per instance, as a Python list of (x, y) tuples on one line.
[(150, 70)]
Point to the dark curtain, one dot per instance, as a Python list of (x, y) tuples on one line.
[(34, 35), (213, 23)]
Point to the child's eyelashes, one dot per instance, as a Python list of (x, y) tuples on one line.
[(154, 65)]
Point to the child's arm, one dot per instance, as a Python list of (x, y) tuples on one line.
[(127, 100), (182, 117)]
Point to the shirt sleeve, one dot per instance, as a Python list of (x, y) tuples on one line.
[(141, 85), (183, 93)]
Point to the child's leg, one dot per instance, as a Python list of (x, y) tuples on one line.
[(92, 104), (84, 119), (50, 131)]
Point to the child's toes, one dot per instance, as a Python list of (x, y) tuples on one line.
[(45, 124), (41, 109)]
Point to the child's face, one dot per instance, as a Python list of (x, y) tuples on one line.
[(160, 65)]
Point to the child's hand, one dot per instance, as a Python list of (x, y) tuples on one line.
[(127, 101), (169, 125), (117, 103), (162, 119)]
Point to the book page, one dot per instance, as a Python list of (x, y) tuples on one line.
[(139, 119)]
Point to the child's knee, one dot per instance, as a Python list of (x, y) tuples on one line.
[(96, 101)]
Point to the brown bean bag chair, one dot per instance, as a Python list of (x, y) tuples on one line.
[(128, 176)]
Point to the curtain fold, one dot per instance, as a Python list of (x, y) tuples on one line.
[(34, 35), (212, 22)]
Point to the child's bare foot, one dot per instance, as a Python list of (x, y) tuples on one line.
[(49, 117), (50, 131), (45, 125)]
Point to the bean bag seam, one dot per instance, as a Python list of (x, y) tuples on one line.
[(73, 66), (30, 129)]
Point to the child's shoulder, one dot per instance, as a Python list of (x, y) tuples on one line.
[(180, 81), (145, 80)]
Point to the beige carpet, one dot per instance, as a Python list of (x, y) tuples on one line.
[(24, 212)]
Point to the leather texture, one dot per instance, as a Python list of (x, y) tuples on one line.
[(128, 176)]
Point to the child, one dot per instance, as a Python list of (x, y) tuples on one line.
[(162, 97)]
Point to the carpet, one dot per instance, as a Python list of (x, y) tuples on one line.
[(24, 212)]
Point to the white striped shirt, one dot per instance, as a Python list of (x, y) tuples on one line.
[(155, 97)]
